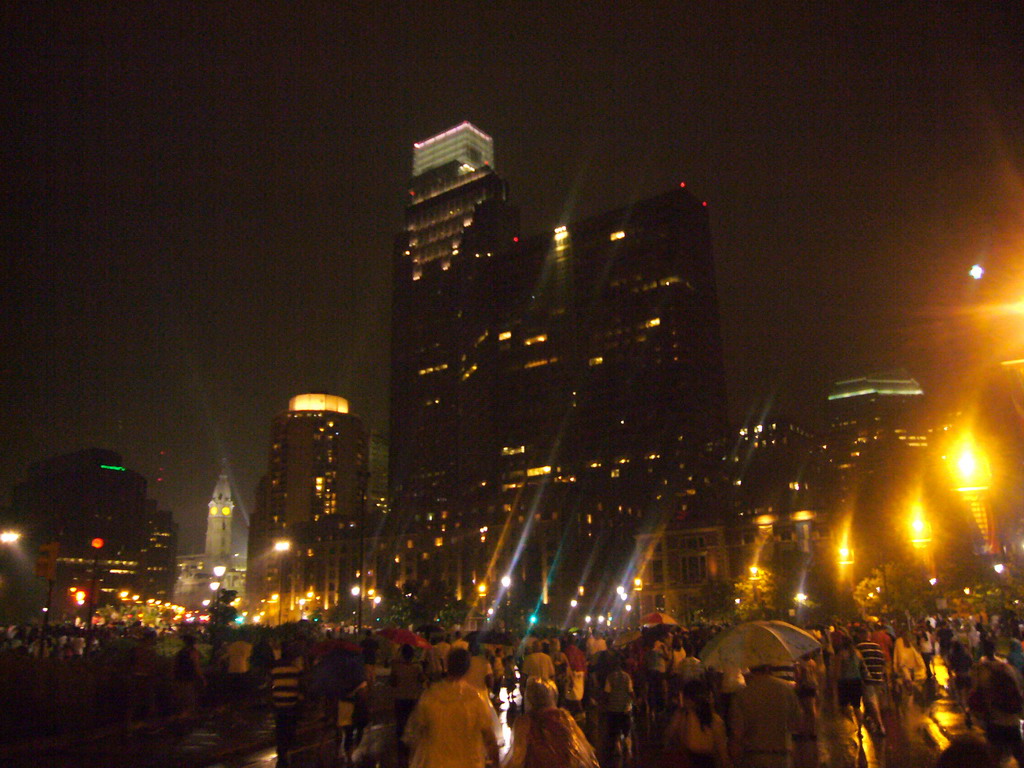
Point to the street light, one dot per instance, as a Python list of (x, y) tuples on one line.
[(9, 537), (972, 475), (506, 581)]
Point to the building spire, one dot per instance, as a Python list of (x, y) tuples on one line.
[(218, 521)]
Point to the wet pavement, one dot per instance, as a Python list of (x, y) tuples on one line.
[(917, 729)]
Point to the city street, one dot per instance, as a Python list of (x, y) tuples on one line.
[(917, 731)]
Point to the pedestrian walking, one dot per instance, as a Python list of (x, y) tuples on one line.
[(762, 719), (547, 736), (696, 736), (618, 708), (876, 679), (187, 677), (286, 697), (452, 726)]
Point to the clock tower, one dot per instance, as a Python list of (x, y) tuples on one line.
[(218, 522)]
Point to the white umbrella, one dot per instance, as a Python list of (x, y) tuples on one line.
[(758, 644)]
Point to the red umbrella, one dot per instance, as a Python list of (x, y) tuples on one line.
[(400, 636), (651, 619), (326, 646)]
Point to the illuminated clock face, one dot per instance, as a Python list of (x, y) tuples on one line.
[(226, 511)]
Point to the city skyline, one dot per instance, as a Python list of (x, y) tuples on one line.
[(204, 207)]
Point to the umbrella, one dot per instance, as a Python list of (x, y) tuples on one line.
[(400, 636), (495, 637), (625, 638), (758, 644), (658, 618)]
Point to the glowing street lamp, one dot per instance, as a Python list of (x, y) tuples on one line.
[(9, 537), (972, 475), (282, 546), (219, 571), (845, 556), (506, 581)]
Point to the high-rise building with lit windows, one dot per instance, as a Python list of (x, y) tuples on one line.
[(457, 204), (304, 533), (552, 395)]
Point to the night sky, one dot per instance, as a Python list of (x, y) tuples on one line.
[(201, 201)]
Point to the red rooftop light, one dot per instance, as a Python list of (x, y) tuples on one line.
[(682, 184), (705, 203), (97, 543)]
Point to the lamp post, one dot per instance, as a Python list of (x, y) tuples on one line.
[(363, 478), (97, 545), (280, 547)]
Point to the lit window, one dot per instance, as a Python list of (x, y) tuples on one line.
[(469, 371), (536, 363), (561, 233), (504, 335), (596, 360), (512, 450), (434, 369), (536, 339), (439, 541), (654, 321), (615, 473), (537, 471), (617, 235)]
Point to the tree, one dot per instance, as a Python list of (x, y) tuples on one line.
[(757, 595), (897, 587)]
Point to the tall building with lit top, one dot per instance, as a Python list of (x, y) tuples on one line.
[(552, 395), (456, 208), (312, 499)]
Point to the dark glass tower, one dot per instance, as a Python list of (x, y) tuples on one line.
[(552, 396), (456, 202)]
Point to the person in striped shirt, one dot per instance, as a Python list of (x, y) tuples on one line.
[(876, 680), (286, 696)]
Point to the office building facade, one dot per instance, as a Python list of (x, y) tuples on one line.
[(305, 531), (77, 498), (560, 397)]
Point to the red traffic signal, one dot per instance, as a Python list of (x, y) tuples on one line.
[(97, 543)]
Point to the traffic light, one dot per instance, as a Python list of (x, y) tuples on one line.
[(46, 563)]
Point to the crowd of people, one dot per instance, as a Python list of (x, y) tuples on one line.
[(570, 700)]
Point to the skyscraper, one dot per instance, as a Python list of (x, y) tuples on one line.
[(311, 499), (552, 395), (454, 191)]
